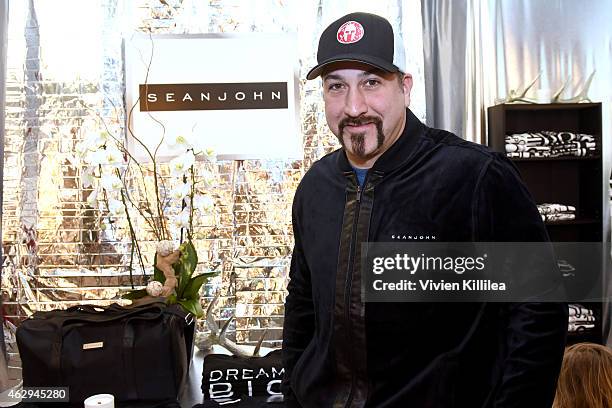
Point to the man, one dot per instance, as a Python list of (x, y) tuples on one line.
[(395, 178)]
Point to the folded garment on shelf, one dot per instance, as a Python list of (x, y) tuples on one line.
[(548, 208), (558, 217), (581, 319), (573, 327), (576, 309), (550, 144), (556, 212)]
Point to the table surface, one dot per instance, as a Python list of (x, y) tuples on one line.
[(192, 394)]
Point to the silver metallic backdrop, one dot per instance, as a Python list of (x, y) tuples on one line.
[(65, 80), (3, 40), (444, 63), (507, 44)]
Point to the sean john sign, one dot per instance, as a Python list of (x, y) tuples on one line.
[(234, 93), (176, 97)]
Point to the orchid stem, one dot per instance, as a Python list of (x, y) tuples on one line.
[(134, 241)]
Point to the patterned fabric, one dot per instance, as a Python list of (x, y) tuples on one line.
[(550, 144), (580, 318), (556, 212)]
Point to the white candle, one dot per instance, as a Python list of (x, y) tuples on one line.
[(100, 401)]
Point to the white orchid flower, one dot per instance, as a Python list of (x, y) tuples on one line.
[(181, 220), (92, 198), (92, 157), (208, 178), (107, 170), (93, 141), (181, 191), (115, 207), (191, 141), (110, 182), (203, 203), (88, 177), (99, 139), (112, 156), (209, 154), (181, 164), (180, 142)]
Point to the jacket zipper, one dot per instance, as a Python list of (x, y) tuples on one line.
[(349, 284)]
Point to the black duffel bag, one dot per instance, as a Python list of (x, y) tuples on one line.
[(136, 353)]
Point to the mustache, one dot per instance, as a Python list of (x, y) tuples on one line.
[(361, 120)]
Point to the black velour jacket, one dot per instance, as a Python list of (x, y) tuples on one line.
[(341, 352)]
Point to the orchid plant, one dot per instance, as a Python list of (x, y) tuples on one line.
[(165, 196)]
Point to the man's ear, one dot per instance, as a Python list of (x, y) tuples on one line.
[(407, 87)]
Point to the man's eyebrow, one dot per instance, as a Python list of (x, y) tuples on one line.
[(332, 76), (373, 70)]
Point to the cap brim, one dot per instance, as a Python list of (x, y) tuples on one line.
[(365, 59)]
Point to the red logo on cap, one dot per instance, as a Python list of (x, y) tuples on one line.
[(350, 32)]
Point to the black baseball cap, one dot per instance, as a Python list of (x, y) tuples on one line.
[(360, 37)]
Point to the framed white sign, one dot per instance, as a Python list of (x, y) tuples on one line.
[(235, 93)]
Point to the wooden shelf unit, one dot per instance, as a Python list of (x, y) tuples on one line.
[(568, 180)]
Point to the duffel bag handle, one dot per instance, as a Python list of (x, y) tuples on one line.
[(114, 308), (86, 308), (116, 314)]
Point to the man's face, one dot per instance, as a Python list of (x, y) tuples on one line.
[(365, 108)]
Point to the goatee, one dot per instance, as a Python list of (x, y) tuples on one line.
[(358, 139)]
